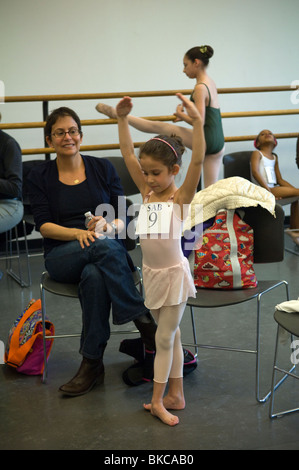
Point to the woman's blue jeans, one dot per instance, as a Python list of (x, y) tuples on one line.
[(11, 213), (105, 280)]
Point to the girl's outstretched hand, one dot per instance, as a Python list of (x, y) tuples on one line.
[(179, 113), (190, 107), (124, 107)]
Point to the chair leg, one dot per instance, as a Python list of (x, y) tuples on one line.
[(10, 256), (257, 370), (27, 254), (256, 351), (18, 277), (194, 331), (274, 387)]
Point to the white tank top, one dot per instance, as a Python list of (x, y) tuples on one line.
[(267, 170)]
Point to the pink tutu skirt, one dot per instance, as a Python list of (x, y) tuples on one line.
[(168, 286)]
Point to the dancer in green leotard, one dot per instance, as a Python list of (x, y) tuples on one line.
[(205, 98), (213, 126)]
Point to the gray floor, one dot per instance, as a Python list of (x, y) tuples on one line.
[(221, 411)]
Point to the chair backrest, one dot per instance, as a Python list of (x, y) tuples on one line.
[(27, 167), (128, 184), (130, 241), (237, 164), (268, 233)]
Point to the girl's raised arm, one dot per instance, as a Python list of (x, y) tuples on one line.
[(126, 144)]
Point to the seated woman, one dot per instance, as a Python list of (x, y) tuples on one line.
[(11, 207), (265, 171), (61, 191)]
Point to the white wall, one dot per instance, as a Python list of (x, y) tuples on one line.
[(63, 46)]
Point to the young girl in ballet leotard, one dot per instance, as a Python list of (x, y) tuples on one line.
[(167, 279)]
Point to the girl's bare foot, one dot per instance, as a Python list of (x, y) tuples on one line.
[(107, 110), (174, 402), (160, 412)]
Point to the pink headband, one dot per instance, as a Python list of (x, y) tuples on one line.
[(165, 142)]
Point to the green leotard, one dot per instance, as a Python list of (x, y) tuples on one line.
[(213, 127)]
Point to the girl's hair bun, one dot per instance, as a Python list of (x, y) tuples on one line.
[(207, 51), (203, 53)]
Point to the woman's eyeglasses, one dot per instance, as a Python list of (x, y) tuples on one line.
[(72, 132)]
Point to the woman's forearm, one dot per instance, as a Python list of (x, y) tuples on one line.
[(57, 232)]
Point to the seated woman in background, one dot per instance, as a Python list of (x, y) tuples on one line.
[(265, 171)]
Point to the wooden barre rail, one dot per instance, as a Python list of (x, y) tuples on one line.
[(85, 148), (143, 94), (95, 122), (140, 94)]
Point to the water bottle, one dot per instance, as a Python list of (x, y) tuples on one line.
[(99, 225), (88, 218)]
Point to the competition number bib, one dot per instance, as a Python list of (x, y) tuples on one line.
[(271, 176), (154, 218)]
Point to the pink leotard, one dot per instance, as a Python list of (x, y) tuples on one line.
[(166, 273)]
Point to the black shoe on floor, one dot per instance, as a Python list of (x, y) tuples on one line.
[(89, 373), (142, 372)]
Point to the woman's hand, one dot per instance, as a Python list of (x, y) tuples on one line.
[(84, 237), (58, 232), (98, 226), (99, 222), (124, 107)]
